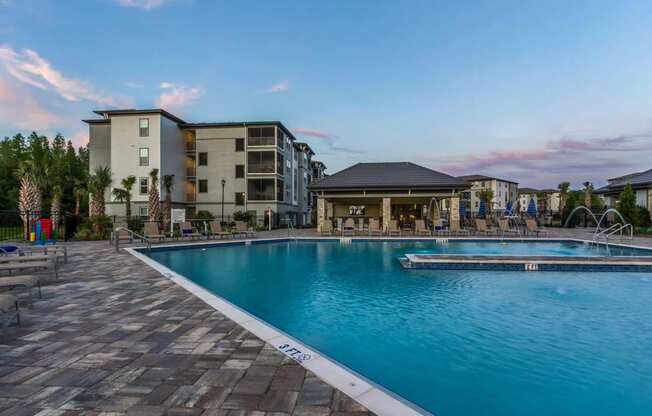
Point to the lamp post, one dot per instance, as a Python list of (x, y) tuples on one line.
[(223, 183)]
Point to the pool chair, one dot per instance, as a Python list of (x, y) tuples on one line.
[(374, 227), (534, 229), (420, 228), (8, 309), (243, 229), (30, 264), (482, 228), (188, 232), (457, 230), (121, 232), (361, 230), (217, 231), (393, 229), (152, 232), (327, 228), (23, 282), (505, 229), (348, 228), (440, 230)]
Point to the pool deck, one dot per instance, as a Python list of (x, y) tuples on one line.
[(114, 337)]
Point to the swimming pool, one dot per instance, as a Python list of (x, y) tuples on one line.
[(453, 342)]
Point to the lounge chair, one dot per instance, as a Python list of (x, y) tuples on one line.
[(60, 251), (349, 227), (243, 228), (24, 282), (327, 228), (361, 230), (503, 224), (216, 230), (121, 232), (392, 228), (482, 228), (440, 230), (188, 232), (420, 228), (374, 227), (152, 232), (533, 228), (30, 263), (456, 229), (9, 307)]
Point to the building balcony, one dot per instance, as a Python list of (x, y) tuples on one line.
[(191, 146), (261, 168), (191, 172), (261, 141), (191, 197)]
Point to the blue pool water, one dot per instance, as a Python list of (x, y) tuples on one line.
[(453, 342)]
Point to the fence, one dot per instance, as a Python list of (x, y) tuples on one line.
[(19, 225)]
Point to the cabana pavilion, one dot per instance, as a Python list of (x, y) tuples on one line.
[(401, 191)]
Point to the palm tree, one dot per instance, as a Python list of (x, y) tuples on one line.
[(78, 192), (29, 194), (487, 195), (168, 185), (563, 194), (154, 206), (588, 190), (121, 195), (97, 184), (127, 185), (55, 207)]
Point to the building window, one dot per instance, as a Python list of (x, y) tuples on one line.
[(239, 145), (203, 186), (143, 155), (239, 198), (279, 189), (261, 136), (239, 171), (203, 159), (142, 186), (260, 189), (143, 211), (143, 124)]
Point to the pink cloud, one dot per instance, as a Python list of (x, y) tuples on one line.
[(279, 87), (176, 96), (322, 134), (30, 68), (19, 108)]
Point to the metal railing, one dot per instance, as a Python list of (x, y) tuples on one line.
[(133, 235)]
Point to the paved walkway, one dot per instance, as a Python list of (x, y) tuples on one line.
[(114, 337)]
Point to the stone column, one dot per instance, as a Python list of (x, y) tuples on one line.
[(387, 212), (455, 208), (436, 213), (321, 213), (329, 211)]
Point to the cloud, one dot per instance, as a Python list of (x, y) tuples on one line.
[(279, 87), (327, 138), (31, 69), (80, 138), (142, 4), (558, 160), (134, 84), (176, 96), (19, 108)]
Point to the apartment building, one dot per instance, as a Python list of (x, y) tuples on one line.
[(504, 191), (221, 168), (547, 201), (641, 184)]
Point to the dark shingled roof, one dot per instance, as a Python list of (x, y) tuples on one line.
[(388, 175), (638, 180)]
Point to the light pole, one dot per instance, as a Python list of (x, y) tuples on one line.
[(223, 183)]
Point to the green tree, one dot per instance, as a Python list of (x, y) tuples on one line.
[(154, 203), (627, 205), (128, 184), (563, 194), (97, 184), (487, 195)]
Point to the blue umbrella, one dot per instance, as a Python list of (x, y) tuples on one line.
[(482, 210), (508, 209), (532, 208), (462, 210)]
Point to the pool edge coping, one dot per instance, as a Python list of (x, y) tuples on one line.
[(376, 398)]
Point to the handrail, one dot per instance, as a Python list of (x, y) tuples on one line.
[(602, 233), (132, 234), (621, 229)]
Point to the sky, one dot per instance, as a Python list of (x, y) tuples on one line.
[(535, 92)]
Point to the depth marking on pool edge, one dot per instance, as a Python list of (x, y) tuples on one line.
[(293, 352), (531, 267)]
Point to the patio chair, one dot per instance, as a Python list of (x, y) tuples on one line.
[(121, 232), (420, 228), (482, 228), (60, 251), (216, 230), (23, 282), (457, 230), (243, 228), (9, 308), (152, 232), (503, 224), (374, 227), (440, 230), (393, 229), (40, 262), (361, 230), (349, 227), (187, 231), (327, 228), (533, 228)]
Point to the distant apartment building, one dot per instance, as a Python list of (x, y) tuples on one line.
[(641, 183), (221, 168), (318, 171), (503, 190), (547, 201)]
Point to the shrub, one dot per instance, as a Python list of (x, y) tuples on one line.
[(242, 216), (97, 227), (204, 215), (643, 216), (627, 205)]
